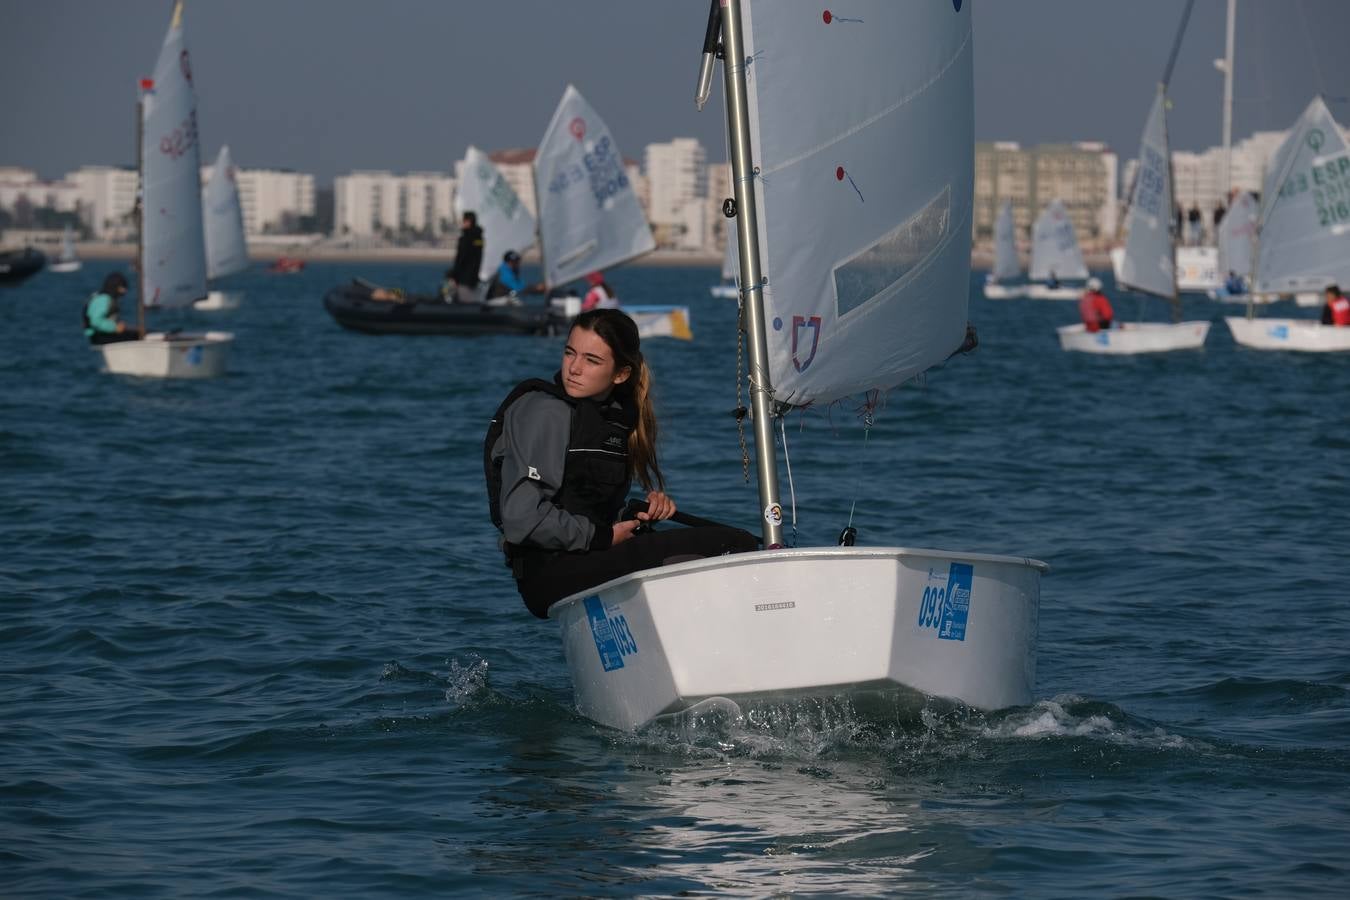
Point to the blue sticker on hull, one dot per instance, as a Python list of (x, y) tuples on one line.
[(613, 640), (945, 610)]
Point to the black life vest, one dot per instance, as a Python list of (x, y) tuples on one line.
[(595, 476)]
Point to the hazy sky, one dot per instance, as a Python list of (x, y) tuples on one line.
[(327, 86)]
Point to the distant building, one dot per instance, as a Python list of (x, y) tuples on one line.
[(107, 199), (381, 204), (677, 181), (1083, 175), (719, 188), (273, 201)]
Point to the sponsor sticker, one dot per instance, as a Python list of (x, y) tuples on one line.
[(613, 640), (945, 607)]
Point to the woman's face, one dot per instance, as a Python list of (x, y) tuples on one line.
[(588, 367)]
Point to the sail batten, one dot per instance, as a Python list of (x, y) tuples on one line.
[(862, 137), (173, 245), (506, 222), (589, 215)]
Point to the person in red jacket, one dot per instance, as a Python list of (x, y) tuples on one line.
[(1336, 311), (1094, 307)]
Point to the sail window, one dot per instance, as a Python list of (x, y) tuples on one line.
[(883, 267)]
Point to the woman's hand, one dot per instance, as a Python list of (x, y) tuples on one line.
[(659, 507), (623, 531)]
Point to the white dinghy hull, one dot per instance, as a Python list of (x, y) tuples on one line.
[(1135, 337), (994, 291), (1302, 335), (219, 300), (724, 291), (786, 624), (1045, 292), (161, 355)]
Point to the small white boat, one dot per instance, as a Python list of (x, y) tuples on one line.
[(171, 227), (1304, 335), (223, 227), (724, 291), (168, 355), (1006, 264), (1149, 263), (1055, 254), (1303, 243), (67, 261), (841, 312), (1135, 337)]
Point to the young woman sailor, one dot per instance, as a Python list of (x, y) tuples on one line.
[(560, 459)]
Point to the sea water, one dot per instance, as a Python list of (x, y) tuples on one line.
[(256, 638)]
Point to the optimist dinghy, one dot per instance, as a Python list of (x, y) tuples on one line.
[(852, 296)]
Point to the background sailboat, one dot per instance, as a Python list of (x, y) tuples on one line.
[(1237, 248), (850, 296), (172, 251), (589, 215), (1055, 254), (67, 261), (226, 246), (1006, 264), (1303, 234)]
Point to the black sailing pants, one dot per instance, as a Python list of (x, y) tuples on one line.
[(548, 577)]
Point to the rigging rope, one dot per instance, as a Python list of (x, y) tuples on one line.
[(792, 488)]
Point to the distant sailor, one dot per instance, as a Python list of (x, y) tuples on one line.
[(560, 457), (1095, 308), (507, 283), (1336, 311), (101, 324), (600, 296), (462, 278)]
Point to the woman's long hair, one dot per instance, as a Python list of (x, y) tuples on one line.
[(620, 333)]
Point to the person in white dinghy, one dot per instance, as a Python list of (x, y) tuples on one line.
[(101, 324), (1094, 308), (1336, 311), (559, 458)]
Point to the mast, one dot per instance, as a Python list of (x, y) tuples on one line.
[(747, 240), (1228, 103), (140, 207)]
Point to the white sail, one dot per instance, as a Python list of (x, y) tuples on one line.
[(1054, 245), (589, 216), (1149, 264), (862, 135), (173, 250), (1305, 217), (68, 245), (1006, 264), (1237, 237), (226, 249), (506, 223)]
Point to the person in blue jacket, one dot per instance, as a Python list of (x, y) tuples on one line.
[(101, 324), (507, 282)]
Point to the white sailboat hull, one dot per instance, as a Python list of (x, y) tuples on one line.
[(1135, 337), (1063, 292), (160, 355), (70, 265), (724, 291), (995, 291), (218, 300), (1303, 335), (796, 623)]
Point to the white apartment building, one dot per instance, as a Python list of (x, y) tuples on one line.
[(1082, 174), (719, 188), (18, 185), (677, 173), (367, 204), (107, 198), (272, 200)]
